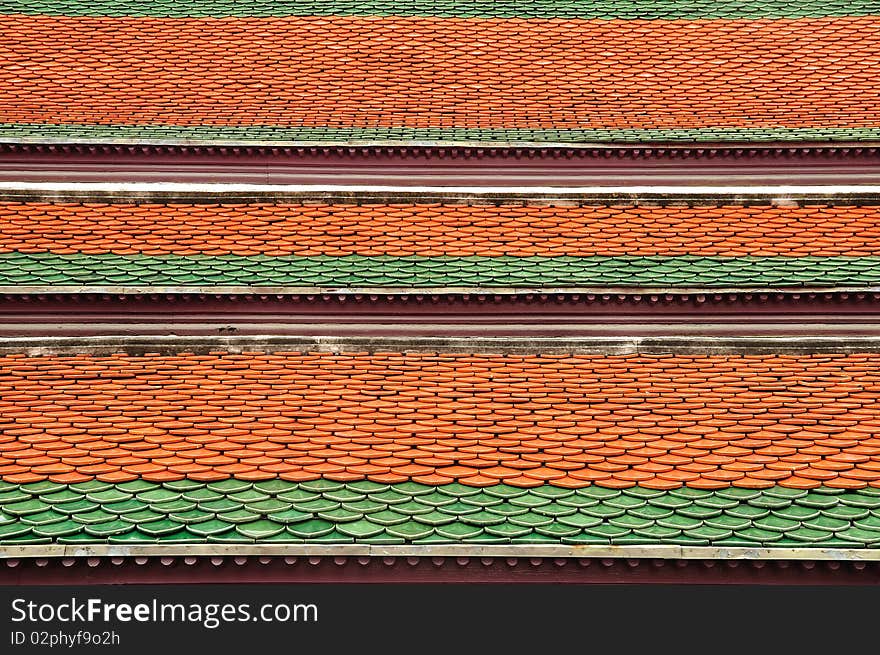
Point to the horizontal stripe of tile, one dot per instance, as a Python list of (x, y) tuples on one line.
[(95, 133), (516, 76), (43, 269), (608, 9), (661, 421), (326, 512), (433, 230)]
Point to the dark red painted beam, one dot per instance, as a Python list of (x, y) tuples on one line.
[(456, 305), (444, 166), (185, 570), (388, 315)]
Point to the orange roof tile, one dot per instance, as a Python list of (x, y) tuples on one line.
[(386, 73), (461, 427), (434, 230)]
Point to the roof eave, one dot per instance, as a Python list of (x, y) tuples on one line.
[(471, 568), (449, 144)]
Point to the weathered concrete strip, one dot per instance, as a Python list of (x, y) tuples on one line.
[(105, 345)]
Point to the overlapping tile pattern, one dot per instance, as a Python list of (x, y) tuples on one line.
[(435, 245), (330, 78), (434, 230), (325, 512), (606, 9), (660, 421), (357, 271), (278, 135)]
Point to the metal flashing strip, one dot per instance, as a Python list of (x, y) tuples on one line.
[(34, 346), (503, 551)]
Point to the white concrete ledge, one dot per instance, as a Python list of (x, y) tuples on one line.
[(456, 550)]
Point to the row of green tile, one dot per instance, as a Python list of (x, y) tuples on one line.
[(323, 511), (585, 9), (280, 134), (358, 270)]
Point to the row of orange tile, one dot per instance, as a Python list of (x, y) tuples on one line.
[(661, 421), (427, 72), (434, 230)]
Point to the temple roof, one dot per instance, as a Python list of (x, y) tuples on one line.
[(419, 250)]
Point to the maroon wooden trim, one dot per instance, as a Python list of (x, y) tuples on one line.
[(438, 305), (186, 570), (804, 150), (388, 315), (443, 166)]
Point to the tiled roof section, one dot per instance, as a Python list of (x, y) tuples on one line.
[(268, 134), (663, 422), (608, 9), (236, 511), (421, 246), (435, 230), (500, 272), (356, 271), (344, 78)]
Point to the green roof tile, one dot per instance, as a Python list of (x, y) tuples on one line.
[(450, 514), (342, 135), (501, 271), (607, 9)]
